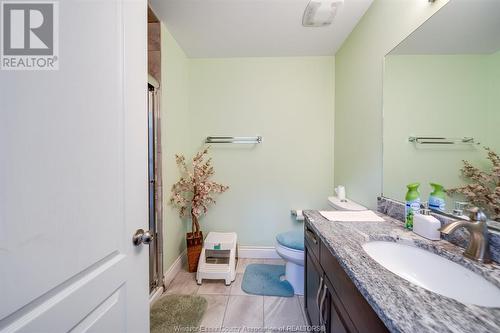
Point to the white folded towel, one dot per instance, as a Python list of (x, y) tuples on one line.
[(351, 216)]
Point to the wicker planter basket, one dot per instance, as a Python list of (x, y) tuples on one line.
[(194, 246)]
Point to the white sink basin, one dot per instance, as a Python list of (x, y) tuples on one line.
[(434, 273)]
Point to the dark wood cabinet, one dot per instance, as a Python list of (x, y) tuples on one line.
[(313, 280), (335, 317), (334, 322), (331, 298)]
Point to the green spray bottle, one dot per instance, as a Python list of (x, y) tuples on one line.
[(437, 198), (412, 206)]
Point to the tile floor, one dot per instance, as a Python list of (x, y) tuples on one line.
[(231, 307)]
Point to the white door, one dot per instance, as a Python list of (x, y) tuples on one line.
[(73, 178)]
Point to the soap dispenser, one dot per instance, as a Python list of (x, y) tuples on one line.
[(426, 225)]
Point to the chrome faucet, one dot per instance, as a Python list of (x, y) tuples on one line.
[(478, 248)]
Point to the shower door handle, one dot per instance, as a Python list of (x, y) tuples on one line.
[(142, 237)]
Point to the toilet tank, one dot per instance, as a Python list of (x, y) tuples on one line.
[(337, 204)]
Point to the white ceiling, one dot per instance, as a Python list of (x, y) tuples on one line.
[(459, 27), (254, 28)]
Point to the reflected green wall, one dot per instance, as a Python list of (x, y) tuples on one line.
[(493, 103), (436, 95), (358, 94)]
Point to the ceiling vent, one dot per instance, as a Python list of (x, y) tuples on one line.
[(320, 13)]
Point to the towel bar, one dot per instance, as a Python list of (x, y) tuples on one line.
[(234, 139)]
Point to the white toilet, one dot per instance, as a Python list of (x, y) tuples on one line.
[(338, 204), (290, 246)]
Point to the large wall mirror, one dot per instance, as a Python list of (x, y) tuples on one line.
[(442, 102)]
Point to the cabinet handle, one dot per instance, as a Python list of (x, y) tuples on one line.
[(319, 290), (311, 236), (321, 320)]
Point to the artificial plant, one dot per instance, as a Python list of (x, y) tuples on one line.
[(192, 194), (484, 189)]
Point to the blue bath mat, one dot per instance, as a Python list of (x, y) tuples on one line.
[(262, 279)]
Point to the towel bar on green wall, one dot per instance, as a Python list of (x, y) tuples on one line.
[(234, 139), (428, 140)]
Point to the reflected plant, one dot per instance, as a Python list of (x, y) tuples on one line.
[(484, 189), (192, 194)]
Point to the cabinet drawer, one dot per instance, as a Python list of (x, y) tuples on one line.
[(312, 241), (356, 306)]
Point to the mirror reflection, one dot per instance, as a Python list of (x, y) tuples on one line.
[(442, 107)]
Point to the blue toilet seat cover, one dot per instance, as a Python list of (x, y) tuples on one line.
[(292, 239)]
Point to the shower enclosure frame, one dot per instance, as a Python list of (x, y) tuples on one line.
[(155, 197)]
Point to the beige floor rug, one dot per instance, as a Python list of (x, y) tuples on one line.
[(177, 313)]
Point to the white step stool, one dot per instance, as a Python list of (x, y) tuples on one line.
[(220, 250)]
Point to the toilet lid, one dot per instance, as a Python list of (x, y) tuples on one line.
[(292, 239)]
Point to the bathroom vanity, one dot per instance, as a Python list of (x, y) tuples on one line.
[(348, 291), (330, 297)]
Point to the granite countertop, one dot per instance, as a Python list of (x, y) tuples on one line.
[(401, 305)]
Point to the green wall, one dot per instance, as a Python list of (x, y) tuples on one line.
[(289, 101), (358, 94), (175, 137)]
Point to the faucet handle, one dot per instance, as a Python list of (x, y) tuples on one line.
[(477, 215)]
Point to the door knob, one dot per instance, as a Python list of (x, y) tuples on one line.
[(142, 237)]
